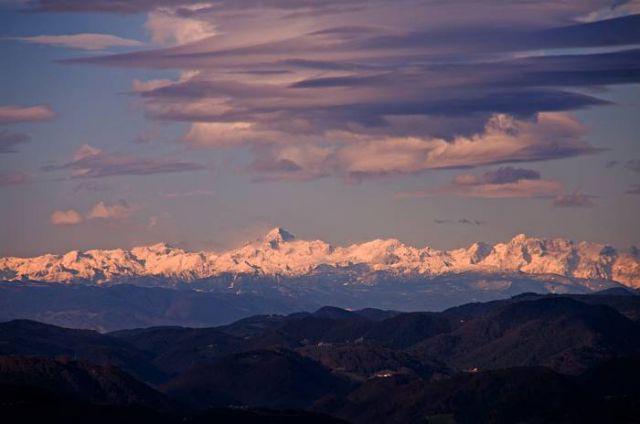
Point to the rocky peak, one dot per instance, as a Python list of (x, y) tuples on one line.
[(278, 235)]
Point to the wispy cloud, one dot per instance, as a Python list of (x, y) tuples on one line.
[(635, 189), (86, 41), (90, 162), (463, 221), (9, 141), (104, 6), (192, 193), (633, 165), (13, 178), (576, 199), (630, 164), (13, 113)]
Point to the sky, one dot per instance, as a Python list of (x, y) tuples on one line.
[(203, 125)]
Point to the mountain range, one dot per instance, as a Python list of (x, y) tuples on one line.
[(279, 254), (527, 359)]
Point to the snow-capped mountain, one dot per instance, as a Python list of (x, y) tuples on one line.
[(279, 253)]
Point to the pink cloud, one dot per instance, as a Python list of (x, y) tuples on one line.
[(12, 113), (101, 210), (13, 178), (66, 217), (357, 156)]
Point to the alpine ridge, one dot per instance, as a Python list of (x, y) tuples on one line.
[(280, 254)]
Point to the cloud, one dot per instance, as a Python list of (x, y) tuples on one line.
[(9, 141), (91, 186), (464, 221), (520, 189), (66, 217), (90, 162), (574, 200), (12, 113), (505, 182), (635, 189), (503, 175), (504, 139), (361, 89), (355, 156), (220, 134), (633, 165), (101, 210), (104, 6), (617, 9), (193, 193), (171, 25), (13, 178), (86, 41)]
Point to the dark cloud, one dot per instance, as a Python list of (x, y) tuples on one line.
[(635, 189), (91, 186), (503, 175), (89, 162), (104, 6), (633, 165), (462, 221), (574, 200), (502, 183), (9, 141), (397, 82), (138, 6)]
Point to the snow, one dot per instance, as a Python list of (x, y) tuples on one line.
[(280, 253)]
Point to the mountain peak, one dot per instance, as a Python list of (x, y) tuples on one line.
[(277, 253), (278, 235), (519, 238)]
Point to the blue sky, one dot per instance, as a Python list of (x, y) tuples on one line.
[(127, 123)]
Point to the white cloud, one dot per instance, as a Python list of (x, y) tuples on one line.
[(220, 134), (81, 41), (619, 9), (166, 26)]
